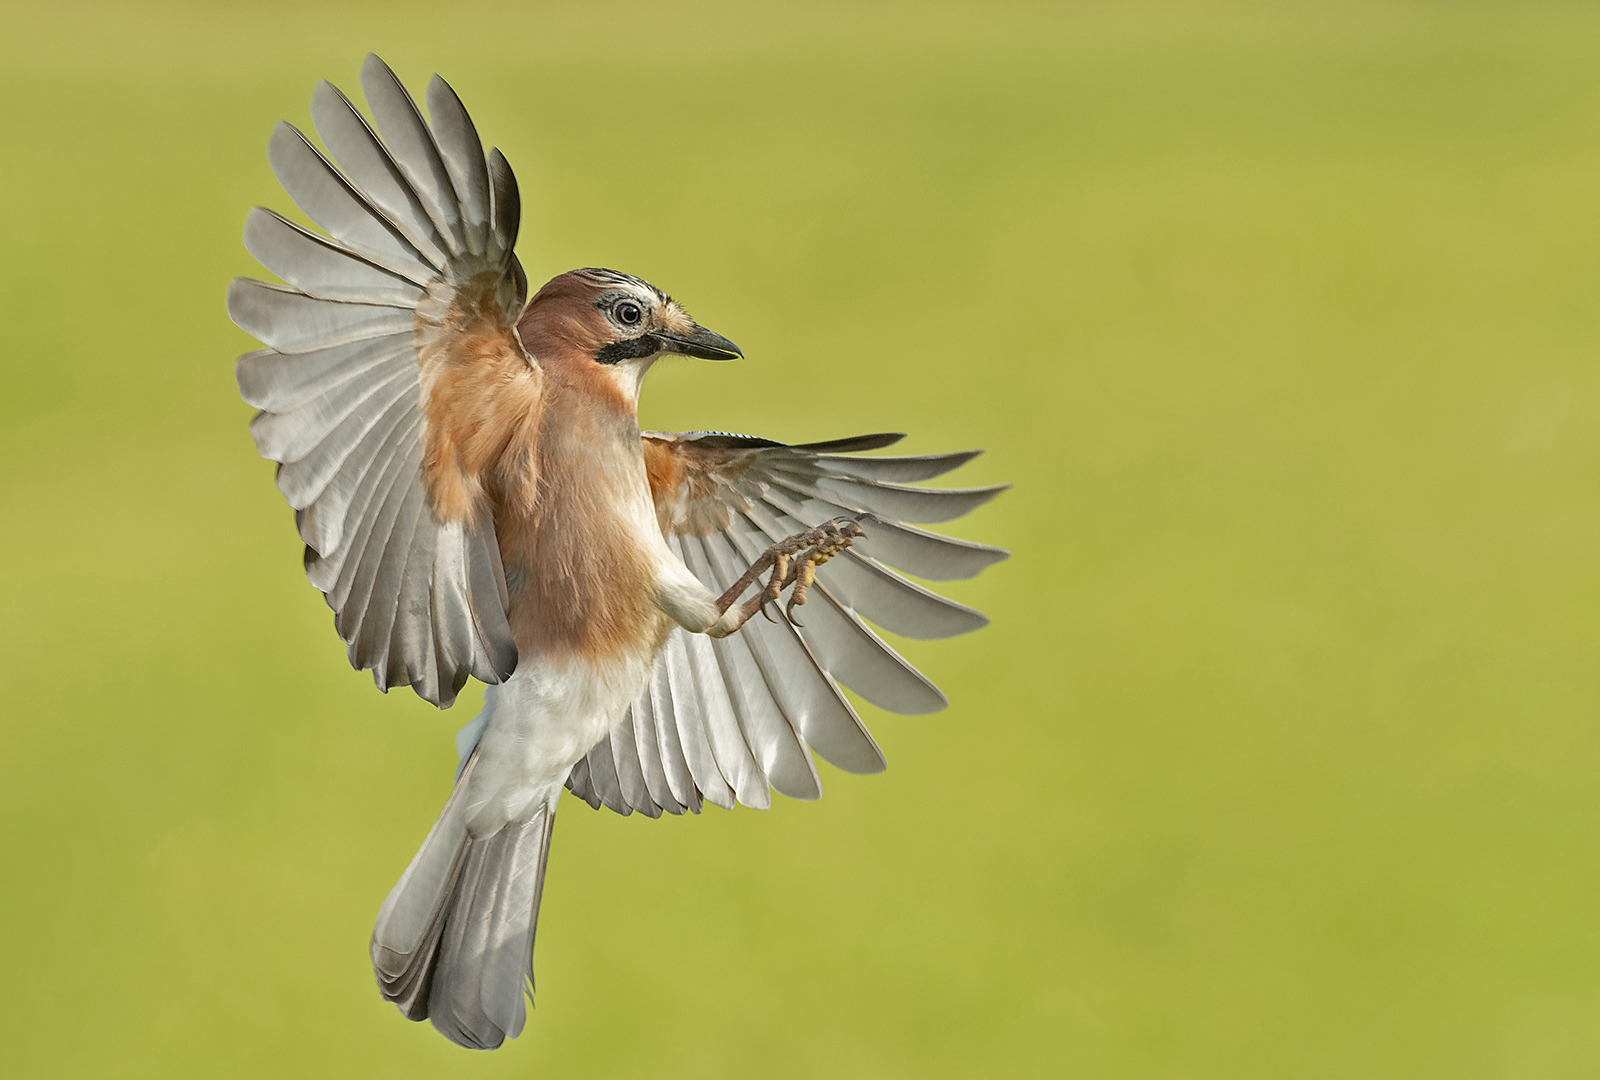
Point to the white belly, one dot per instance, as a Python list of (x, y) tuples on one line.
[(535, 726)]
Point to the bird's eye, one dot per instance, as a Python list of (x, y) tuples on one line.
[(628, 313)]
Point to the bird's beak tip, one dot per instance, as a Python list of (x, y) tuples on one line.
[(702, 343)]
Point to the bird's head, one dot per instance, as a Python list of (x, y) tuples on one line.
[(617, 321)]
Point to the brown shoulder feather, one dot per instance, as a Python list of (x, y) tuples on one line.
[(482, 399), (691, 484)]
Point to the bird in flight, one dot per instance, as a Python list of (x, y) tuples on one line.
[(477, 500)]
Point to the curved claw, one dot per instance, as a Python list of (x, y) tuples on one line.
[(794, 561), (775, 584), (805, 574), (796, 598)]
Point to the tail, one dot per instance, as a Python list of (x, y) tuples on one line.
[(454, 940)]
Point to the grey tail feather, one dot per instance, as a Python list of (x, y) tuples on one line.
[(454, 940)]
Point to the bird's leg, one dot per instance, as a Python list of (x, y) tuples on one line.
[(793, 561), (777, 557)]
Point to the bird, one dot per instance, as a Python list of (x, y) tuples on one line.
[(477, 501)]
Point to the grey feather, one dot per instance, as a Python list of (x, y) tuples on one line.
[(346, 490), (899, 606), (358, 151), (460, 649), (722, 733), (674, 766), (578, 783), (353, 593), (511, 911), (405, 938), (447, 615), (630, 777), (925, 554), (507, 204), (328, 199), (899, 470), (412, 658), (407, 653), (294, 434), (455, 1004), (603, 776), (861, 660), (277, 383), (496, 656), (320, 268), (689, 718), (773, 741), (722, 728), (453, 941), (292, 322), (648, 752), (398, 640), (372, 638), (850, 444), (412, 146), (326, 569), (462, 151), (922, 505), (367, 528)]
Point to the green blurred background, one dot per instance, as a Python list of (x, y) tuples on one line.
[(1281, 756)]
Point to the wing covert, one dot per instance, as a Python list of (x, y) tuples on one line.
[(413, 293)]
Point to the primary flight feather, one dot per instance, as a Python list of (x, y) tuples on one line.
[(476, 499)]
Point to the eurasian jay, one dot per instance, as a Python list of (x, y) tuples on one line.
[(476, 499)]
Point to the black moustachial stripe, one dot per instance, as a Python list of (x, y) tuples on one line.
[(632, 349)]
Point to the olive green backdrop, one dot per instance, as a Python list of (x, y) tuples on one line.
[(1281, 756)]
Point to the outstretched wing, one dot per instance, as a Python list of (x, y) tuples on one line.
[(729, 720), (371, 352)]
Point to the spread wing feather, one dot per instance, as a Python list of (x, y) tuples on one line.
[(732, 720), (373, 171), (674, 760), (414, 217), (713, 780), (630, 774), (411, 144)]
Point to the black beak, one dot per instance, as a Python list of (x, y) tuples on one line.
[(700, 342)]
